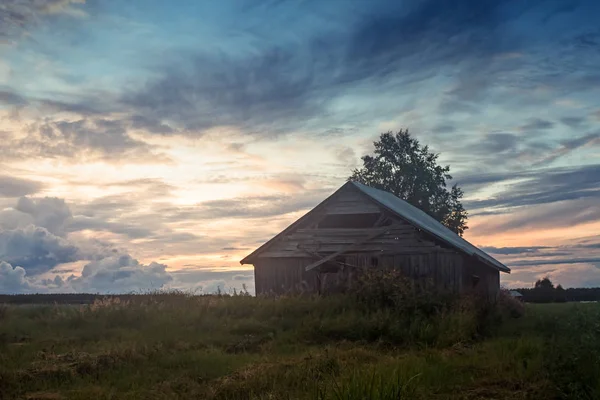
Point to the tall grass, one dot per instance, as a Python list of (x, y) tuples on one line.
[(175, 345)]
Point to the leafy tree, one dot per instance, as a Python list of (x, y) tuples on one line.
[(544, 283), (402, 166)]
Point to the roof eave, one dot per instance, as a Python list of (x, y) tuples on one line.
[(249, 259)]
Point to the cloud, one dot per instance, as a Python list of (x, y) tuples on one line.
[(537, 124), (568, 146), (210, 91), (279, 88), (497, 143), (17, 187), (85, 138), (133, 231), (120, 274), (9, 97), (12, 280), (540, 187), (35, 249), (246, 207), (50, 213), (557, 261), (444, 128), (17, 16), (573, 122), (513, 250)]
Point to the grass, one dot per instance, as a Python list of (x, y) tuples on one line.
[(237, 347)]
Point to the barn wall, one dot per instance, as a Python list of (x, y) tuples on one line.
[(284, 275), (441, 270), (487, 282), (288, 275)]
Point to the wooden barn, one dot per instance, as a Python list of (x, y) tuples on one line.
[(359, 226)]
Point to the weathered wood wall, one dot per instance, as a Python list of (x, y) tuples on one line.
[(284, 275), (480, 278), (288, 275)]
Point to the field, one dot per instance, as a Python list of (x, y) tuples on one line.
[(239, 347)]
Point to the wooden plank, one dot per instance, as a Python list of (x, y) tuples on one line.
[(348, 248), (401, 229), (358, 208)]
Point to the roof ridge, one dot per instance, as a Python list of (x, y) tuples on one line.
[(418, 217)]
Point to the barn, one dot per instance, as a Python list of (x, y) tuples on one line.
[(362, 227)]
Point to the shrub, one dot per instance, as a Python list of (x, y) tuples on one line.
[(377, 289), (509, 306)]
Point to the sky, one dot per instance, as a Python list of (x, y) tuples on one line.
[(151, 144)]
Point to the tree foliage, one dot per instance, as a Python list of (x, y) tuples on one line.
[(402, 166), (544, 283)]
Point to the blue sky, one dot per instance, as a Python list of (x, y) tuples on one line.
[(184, 134)]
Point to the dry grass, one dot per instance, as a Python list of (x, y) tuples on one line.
[(165, 346)]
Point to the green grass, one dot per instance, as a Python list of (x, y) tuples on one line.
[(176, 346)]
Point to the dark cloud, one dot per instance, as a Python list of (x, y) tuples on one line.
[(35, 249), (9, 97), (445, 128), (278, 88), (17, 187), (568, 146), (50, 213), (494, 143), (573, 122), (513, 250), (522, 263), (18, 16), (259, 91), (537, 124), (12, 280), (86, 138), (541, 187)]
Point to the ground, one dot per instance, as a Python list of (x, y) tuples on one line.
[(247, 348)]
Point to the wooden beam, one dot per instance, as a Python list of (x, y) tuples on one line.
[(348, 248)]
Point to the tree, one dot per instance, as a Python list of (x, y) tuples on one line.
[(544, 283), (402, 166)]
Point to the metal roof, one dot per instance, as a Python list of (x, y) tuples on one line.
[(427, 223), (514, 293)]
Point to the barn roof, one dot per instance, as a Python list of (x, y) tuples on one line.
[(411, 214), (427, 223)]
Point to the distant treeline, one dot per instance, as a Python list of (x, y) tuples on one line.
[(543, 293), (61, 298), (559, 295)]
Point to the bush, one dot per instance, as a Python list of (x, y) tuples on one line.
[(376, 289), (509, 306)]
